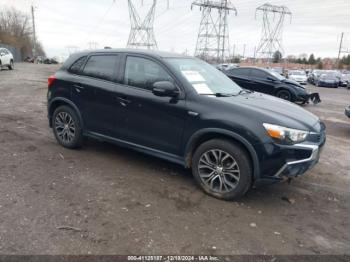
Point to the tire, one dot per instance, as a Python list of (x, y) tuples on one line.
[(11, 66), (210, 174), (67, 127), (284, 94)]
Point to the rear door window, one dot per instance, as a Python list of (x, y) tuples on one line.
[(101, 67), (259, 74), (240, 72)]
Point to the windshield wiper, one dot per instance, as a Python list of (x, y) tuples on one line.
[(219, 94)]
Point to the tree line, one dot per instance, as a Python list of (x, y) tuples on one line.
[(16, 31)]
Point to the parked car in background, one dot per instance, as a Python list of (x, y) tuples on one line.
[(50, 61), (224, 67), (6, 59), (29, 59), (298, 76), (278, 70), (327, 79), (347, 111), (183, 110), (269, 82), (312, 77), (39, 59), (344, 79)]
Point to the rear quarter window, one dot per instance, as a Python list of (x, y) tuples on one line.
[(77, 65)]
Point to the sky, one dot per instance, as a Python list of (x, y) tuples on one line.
[(315, 27)]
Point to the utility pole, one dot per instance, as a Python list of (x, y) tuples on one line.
[(213, 37), (72, 49), (254, 55), (244, 50), (340, 48), (92, 45), (34, 33)]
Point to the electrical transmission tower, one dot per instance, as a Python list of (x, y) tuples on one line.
[(271, 36), (213, 36), (141, 33)]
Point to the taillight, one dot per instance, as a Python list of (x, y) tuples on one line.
[(50, 80)]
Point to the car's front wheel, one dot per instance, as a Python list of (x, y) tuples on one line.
[(67, 127), (284, 94), (222, 168)]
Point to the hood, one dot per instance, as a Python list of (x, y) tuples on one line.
[(276, 111), (292, 82)]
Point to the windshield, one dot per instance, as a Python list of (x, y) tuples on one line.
[(277, 75), (297, 73), (204, 78)]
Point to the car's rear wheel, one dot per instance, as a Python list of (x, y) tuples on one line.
[(11, 66), (284, 94), (222, 169), (67, 127)]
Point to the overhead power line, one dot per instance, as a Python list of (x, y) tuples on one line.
[(213, 36), (271, 36), (141, 32)]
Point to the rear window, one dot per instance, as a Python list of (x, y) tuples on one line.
[(75, 68), (101, 66)]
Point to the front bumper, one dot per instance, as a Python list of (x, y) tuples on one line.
[(298, 167), (347, 111), (305, 98), (281, 162), (328, 84), (344, 83)]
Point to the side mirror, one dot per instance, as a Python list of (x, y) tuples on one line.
[(165, 89), (271, 79), (2, 54)]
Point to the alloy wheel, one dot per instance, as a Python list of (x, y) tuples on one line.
[(218, 170), (284, 95), (65, 127)]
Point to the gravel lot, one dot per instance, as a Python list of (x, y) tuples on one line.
[(104, 199)]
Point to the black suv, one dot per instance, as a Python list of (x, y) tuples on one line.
[(271, 83), (183, 110)]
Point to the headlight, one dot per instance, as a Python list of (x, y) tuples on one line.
[(286, 134)]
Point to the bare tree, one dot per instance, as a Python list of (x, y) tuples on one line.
[(15, 30)]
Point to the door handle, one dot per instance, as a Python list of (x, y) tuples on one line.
[(78, 87), (123, 101)]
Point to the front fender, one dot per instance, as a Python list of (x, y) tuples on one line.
[(217, 131)]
